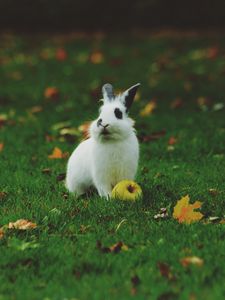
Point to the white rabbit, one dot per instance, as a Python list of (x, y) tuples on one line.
[(111, 153)]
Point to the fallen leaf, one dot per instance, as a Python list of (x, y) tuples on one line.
[(84, 228), (47, 53), (163, 214), (49, 138), (115, 248), (1, 146), (135, 281), (172, 140), (46, 171), (218, 106), (61, 125), (184, 212), (57, 154), (153, 137), (191, 260), (148, 109), (214, 219), (3, 195), (1, 233), (61, 54), (61, 177), (22, 224), (3, 119), (51, 93), (35, 109), (213, 192), (170, 148), (165, 270), (203, 103), (212, 52), (84, 129), (69, 131), (97, 57), (177, 103)]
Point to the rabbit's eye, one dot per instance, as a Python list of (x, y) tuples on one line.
[(118, 113)]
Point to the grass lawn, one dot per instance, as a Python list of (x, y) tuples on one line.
[(61, 258)]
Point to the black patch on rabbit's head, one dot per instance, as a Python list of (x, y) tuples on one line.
[(118, 113)]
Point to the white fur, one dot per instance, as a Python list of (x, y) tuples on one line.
[(104, 160)]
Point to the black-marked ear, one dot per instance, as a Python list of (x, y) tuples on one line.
[(128, 95), (107, 91)]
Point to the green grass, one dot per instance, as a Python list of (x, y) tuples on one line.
[(60, 258)]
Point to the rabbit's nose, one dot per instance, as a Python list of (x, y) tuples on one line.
[(99, 122)]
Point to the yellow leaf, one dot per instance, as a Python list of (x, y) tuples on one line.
[(191, 260), (22, 224), (57, 154), (184, 212), (148, 109)]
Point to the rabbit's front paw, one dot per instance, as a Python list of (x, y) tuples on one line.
[(104, 192)]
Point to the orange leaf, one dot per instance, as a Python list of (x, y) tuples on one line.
[(1, 146), (61, 54), (148, 109), (97, 57), (172, 140), (22, 225), (184, 212), (191, 260), (57, 154), (51, 93)]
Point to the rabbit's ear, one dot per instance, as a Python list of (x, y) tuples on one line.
[(107, 91), (128, 96)]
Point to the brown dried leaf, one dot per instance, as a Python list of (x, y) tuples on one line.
[(61, 54), (46, 171), (1, 233), (191, 260), (115, 248), (213, 192), (154, 136), (35, 109), (172, 141), (1, 146), (135, 281), (61, 177), (51, 93), (3, 195), (177, 103), (22, 224), (165, 270)]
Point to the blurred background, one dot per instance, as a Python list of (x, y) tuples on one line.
[(55, 15)]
